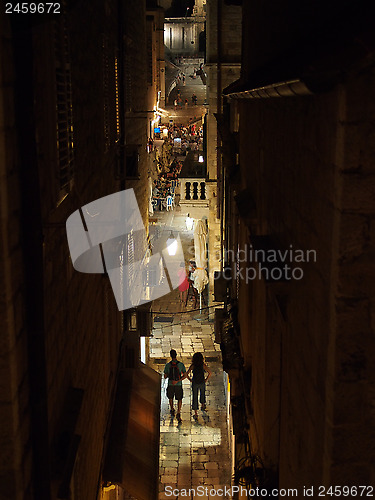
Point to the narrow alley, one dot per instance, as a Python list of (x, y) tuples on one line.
[(195, 176), (191, 453)]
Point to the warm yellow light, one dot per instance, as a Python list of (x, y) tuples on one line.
[(117, 100), (109, 487)]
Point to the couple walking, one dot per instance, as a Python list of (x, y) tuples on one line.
[(176, 372)]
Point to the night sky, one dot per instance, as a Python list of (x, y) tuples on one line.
[(179, 7)]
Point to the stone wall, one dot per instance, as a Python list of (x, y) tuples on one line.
[(309, 341), (16, 456), (222, 67), (61, 328), (181, 35)]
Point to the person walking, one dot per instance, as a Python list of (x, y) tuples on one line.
[(198, 381), (192, 268), (183, 283), (174, 371)]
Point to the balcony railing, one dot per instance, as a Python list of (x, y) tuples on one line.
[(193, 191)]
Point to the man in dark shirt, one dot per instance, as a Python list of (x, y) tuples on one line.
[(174, 389)]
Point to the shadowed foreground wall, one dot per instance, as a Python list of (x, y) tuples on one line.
[(308, 164)]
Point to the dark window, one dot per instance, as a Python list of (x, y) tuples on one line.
[(132, 161), (150, 27), (128, 81)]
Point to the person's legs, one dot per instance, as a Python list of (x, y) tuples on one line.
[(171, 406), (202, 395), (170, 394), (195, 297), (194, 389), (178, 394)]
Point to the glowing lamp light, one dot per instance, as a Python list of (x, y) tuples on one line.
[(200, 159), (172, 245), (109, 487), (189, 222)]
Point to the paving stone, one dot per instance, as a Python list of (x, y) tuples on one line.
[(200, 458), (173, 456), (216, 482), (198, 470), (211, 465), (184, 479), (195, 480), (168, 479), (170, 471), (169, 463)]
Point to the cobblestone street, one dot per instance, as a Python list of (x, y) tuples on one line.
[(191, 453)]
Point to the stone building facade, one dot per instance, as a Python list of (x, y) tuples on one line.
[(182, 35), (73, 129), (185, 36), (223, 61), (155, 61), (299, 176)]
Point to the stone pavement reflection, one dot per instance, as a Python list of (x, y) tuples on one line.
[(191, 453)]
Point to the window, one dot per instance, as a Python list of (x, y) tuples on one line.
[(132, 161), (149, 30), (64, 107), (128, 81)]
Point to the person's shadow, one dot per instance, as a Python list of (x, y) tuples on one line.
[(171, 421)]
